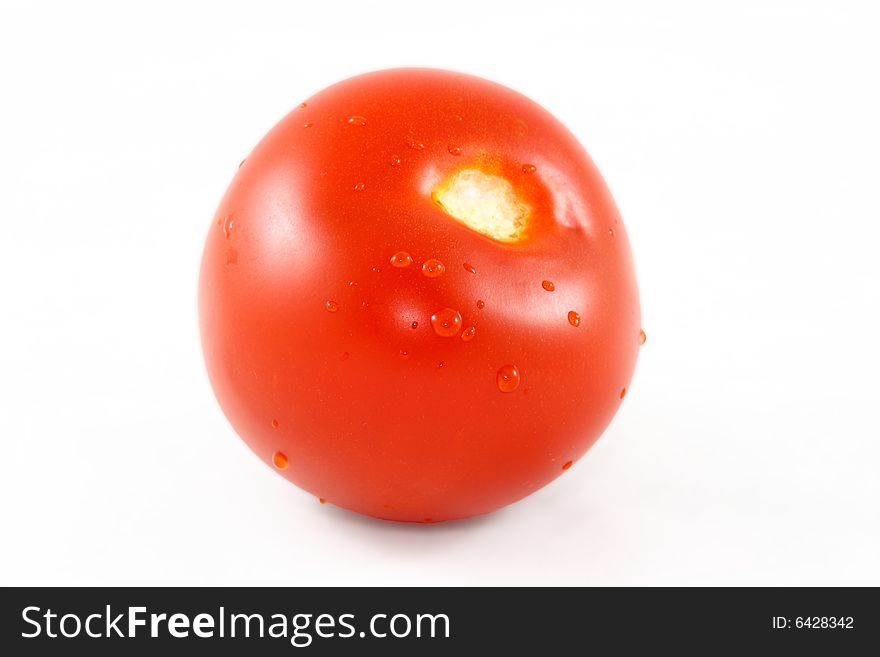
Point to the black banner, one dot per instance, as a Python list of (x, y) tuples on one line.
[(333, 621)]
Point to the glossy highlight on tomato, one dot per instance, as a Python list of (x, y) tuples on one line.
[(417, 298)]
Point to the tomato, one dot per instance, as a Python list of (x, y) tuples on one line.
[(417, 299)]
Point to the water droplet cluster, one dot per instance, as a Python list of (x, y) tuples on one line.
[(446, 322)]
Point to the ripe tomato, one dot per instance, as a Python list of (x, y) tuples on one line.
[(417, 298)]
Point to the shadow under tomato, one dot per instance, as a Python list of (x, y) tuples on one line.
[(381, 527)]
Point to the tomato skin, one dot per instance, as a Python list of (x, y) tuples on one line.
[(323, 350)]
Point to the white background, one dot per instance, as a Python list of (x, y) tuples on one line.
[(742, 145)]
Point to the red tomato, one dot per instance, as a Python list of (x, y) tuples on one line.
[(417, 298)]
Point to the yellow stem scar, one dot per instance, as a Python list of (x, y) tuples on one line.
[(485, 203)]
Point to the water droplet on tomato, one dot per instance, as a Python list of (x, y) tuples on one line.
[(642, 337), (468, 334), (401, 259), (446, 322), (352, 284), (433, 268), (395, 161), (622, 393), (414, 325), (611, 232), (481, 304), (359, 187), (529, 168), (357, 120), (228, 225), (454, 150), (331, 306), (275, 424), (508, 378), (567, 465), (307, 125), (404, 353), (548, 285), (415, 145), (470, 268), (440, 365), (280, 460), (573, 318)]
